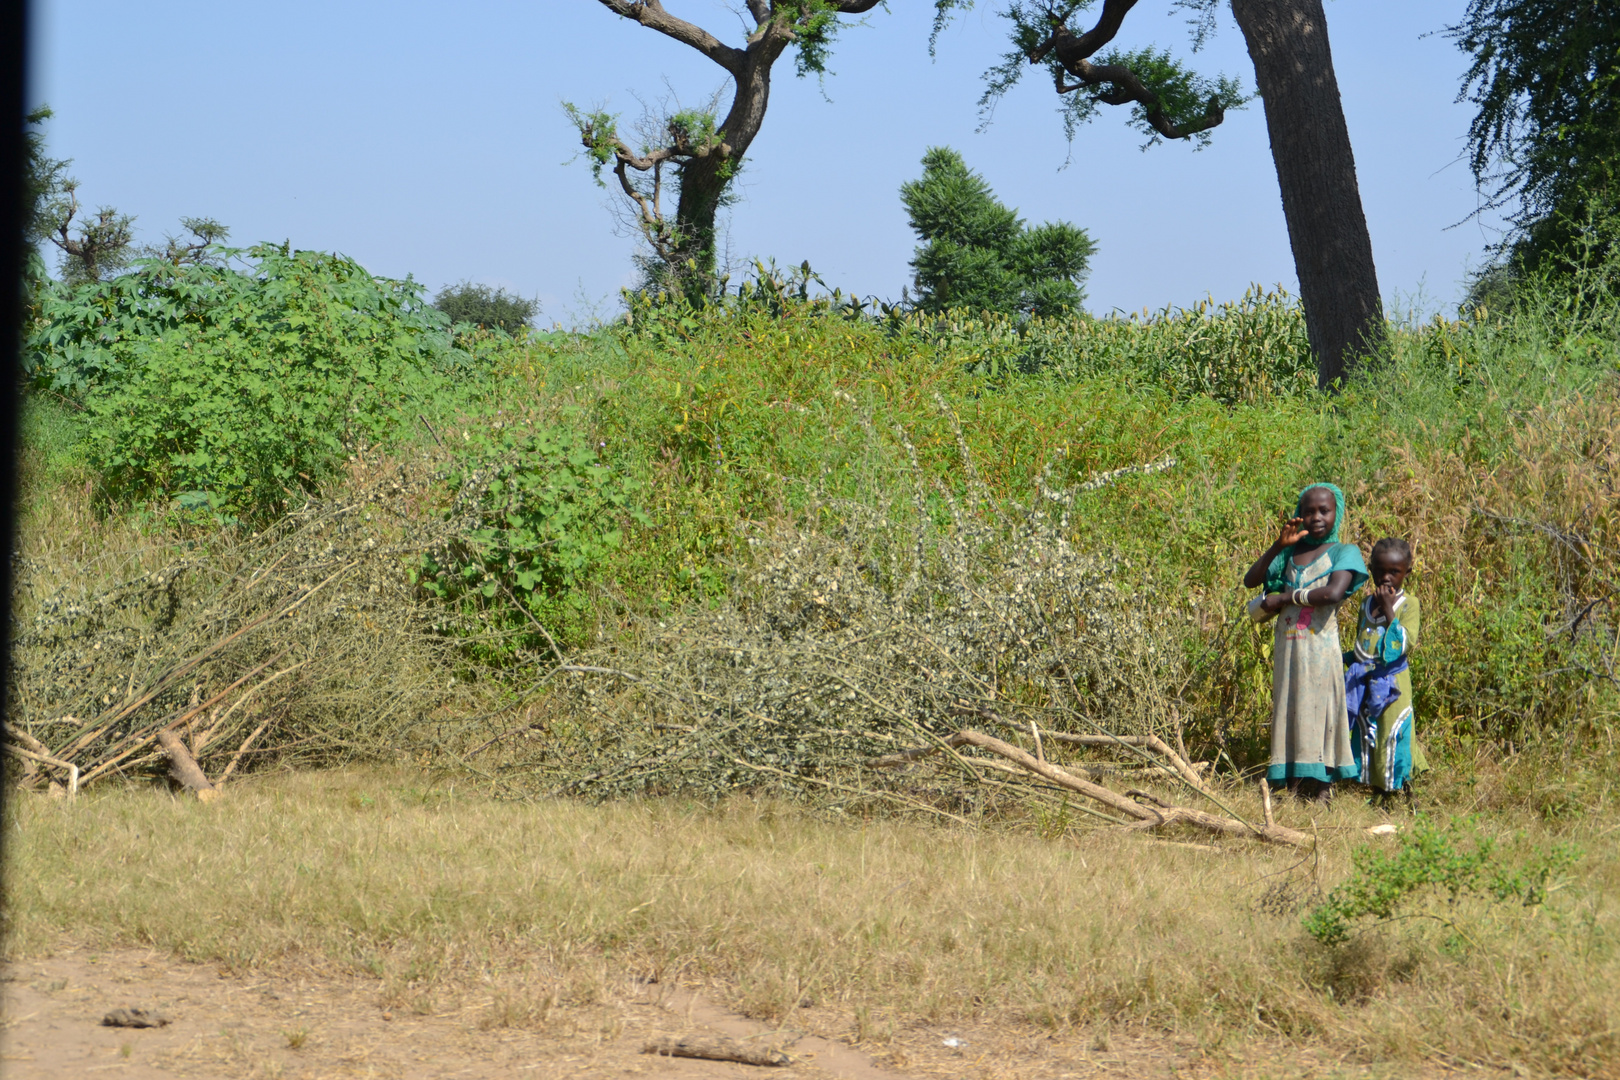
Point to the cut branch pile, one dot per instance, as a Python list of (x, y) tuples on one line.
[(302, 642), (1145, 810), (852, 643)]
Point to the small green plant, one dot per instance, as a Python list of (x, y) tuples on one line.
[(542, 510), (1453, 861)]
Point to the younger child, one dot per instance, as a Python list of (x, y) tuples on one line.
[(1377, 683), (1307, 574)]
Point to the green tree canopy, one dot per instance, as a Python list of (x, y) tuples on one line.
[(691, 157), (493, 309), (1546, 80), (1310, 141), (977, 253)]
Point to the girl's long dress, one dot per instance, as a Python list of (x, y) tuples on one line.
[(1310, 728)]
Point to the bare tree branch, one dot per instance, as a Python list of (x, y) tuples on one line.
[(1128, 88), (651, 14), (1085, 45)]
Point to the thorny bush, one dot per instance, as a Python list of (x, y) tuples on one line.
[(861, 627)]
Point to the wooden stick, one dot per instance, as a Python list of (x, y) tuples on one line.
[(208, 736), (184, 768), (715, 1048), (1180, 764), (23, 737), (169, 724), (240, 750), (95, 728), (1040, 752), (1265, 801), (1144, 817), (72, 769)]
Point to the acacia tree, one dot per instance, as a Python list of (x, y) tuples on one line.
[(694, 155), (1546, 80), (1310, 142)]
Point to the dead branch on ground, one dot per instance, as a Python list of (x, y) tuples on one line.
[(1157, 816)]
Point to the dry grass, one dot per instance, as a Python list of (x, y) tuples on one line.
[(438, 888)]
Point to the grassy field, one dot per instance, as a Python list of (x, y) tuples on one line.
[(442, 893), (748, 464)]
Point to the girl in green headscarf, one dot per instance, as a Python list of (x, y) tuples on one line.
[(1307, 573)]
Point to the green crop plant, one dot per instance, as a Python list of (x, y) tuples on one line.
[(235, 385)]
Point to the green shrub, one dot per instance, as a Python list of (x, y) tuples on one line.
[(1453, 861), (232, 388), (540, 512)]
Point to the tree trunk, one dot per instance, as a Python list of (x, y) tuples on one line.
[(704, 180), (1310, 145)]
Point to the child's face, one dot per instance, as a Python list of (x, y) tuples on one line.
[(1389, 568), (1317, 511)]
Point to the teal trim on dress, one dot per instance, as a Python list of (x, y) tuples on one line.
[(1277, 775)]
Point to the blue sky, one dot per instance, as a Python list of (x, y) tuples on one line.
[(429, 139)]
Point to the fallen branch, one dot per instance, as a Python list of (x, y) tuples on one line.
[(715, 1048), (183, 768), (1181, 765), (1143, 817), (46, 759)]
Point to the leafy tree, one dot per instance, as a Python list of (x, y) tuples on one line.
[(1546, 80), (977, 253), (91, 250), (692, 156), (1310, 143), (203, 248), (42, 181), (492, 309), (95, 248)]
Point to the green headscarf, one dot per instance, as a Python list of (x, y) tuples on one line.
[(1344, 556)]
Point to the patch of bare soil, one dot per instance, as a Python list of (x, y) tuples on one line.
[(306, 1027)]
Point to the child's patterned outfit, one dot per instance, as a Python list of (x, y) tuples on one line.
[(1378, 694)]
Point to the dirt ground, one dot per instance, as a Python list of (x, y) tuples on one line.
[(305, 1027)]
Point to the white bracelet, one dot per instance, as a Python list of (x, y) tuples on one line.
[(1302, 597)]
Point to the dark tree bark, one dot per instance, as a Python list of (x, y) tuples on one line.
[(1316, 170)]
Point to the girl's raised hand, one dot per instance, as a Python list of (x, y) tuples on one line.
[(1292, 531)]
